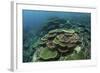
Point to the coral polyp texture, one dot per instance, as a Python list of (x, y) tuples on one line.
[(62, 38)]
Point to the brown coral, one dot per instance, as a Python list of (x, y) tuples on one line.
[(64, 38), (60, 40)]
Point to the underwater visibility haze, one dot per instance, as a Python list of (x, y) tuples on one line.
[(56, 36)]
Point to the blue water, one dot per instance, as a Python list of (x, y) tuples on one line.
[(34, 19)]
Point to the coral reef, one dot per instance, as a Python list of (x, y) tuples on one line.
[(56, 43), (58, 40)]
